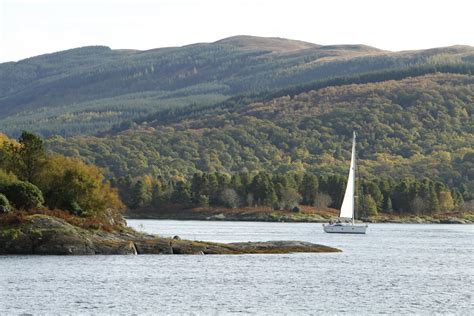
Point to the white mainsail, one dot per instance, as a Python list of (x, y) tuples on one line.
[(347, 208)]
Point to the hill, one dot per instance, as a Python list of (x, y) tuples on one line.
[(91, 89), (415, 126)]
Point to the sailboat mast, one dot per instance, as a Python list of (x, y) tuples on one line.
[(353, 178)]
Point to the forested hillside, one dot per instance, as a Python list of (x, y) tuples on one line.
[(91, 89), (413, 127)]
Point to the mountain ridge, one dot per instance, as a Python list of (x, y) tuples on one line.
[(89, 90)]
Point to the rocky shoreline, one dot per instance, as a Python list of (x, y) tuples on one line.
[(289, 217), (47, 235)]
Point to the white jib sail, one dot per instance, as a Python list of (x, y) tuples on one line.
[(347, 208)]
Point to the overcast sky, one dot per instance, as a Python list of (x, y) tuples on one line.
[(30, 28)]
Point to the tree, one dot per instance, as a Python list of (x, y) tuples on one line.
[(370, 205), (230, 198), (308, 189), (402, 196), (433, 200), (181, 194), (373, 189), (70, 184), (199, 187), (289, 198), (262, 189), (4, 204), (30, 156), (446, 202), (322, 200), (141, 195), (203, 201), (213, 188), (24, 195), (418, 205), (157, 197), (334, 186), (6, 178)]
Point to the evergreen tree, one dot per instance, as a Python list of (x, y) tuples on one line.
[(213, 189), (373, 189), (181, 194), (402, 196), (262, 189), (199, 186), (30, 157), (308, 189), (157, 195), (141, 194)]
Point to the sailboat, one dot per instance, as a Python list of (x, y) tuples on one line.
[(348, 204)]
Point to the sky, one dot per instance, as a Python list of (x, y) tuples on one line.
[(34, 27)]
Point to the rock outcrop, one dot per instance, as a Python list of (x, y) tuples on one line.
[(46, 235)]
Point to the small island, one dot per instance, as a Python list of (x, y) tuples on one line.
[(55, 205), (40, 234)]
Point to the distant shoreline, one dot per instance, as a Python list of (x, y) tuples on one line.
[(304, 216)]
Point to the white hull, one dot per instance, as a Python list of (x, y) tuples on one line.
[(345, 228)]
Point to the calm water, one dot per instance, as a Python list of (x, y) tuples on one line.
[(393, 269)]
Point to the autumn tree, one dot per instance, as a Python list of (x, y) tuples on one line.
[(446, 202), (370, 205), (72, 185)]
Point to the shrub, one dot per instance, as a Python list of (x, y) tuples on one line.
[(4, 204), (24, 195), (203, 201)]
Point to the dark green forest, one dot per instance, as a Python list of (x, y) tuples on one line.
[(287, 192)]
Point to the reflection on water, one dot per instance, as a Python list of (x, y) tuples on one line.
[(393, 269)]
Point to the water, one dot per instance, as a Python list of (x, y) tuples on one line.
[(394, 269)]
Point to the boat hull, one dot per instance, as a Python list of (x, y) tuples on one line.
[(345, 228)]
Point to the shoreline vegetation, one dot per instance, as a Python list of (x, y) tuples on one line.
[(54, 205), (306, 214)]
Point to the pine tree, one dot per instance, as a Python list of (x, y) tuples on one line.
[(30, 157), (262, 189), (308, 189), (181, 194), (141, 195)]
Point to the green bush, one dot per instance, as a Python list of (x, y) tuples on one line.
[(24, 195), (4, 204)]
